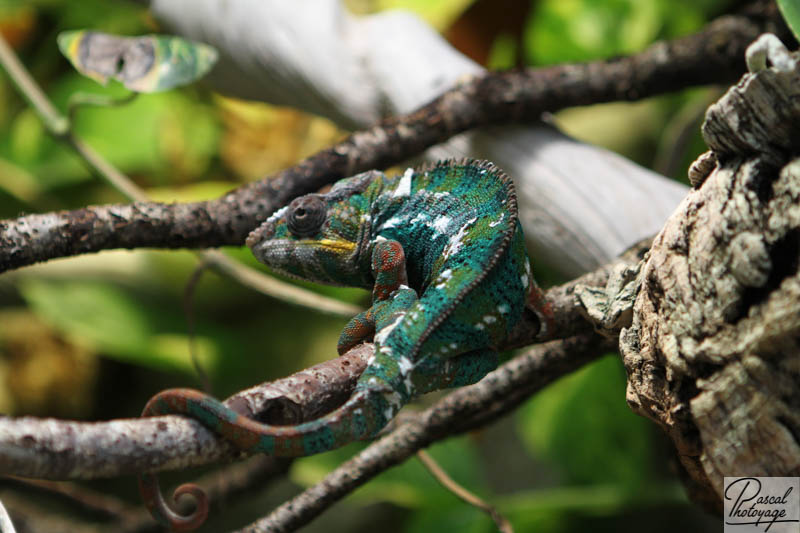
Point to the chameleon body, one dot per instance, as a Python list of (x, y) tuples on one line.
[(442, 250)]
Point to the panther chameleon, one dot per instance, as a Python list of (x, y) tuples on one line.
[(441, 248)]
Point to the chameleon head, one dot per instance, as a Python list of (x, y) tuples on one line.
[(317, 237)]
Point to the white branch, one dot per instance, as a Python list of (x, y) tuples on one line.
[(581, 205)]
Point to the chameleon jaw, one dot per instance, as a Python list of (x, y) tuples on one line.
[(306, 259)]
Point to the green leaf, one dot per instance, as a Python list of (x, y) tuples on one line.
[(581, 30), (408, 485), (583, 424), (440, 14), (573, 508), (790, 9), (111, 320), (161, 138), (143, 64), (463, 518)]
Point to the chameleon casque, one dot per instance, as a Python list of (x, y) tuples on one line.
[(442, 250)]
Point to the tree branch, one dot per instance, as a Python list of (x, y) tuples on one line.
[(713, 351), (468, 407), (54, 449), (711, 56)]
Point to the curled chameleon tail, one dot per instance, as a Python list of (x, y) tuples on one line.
[(450, 231), (386, 385), (364, 414), (353, 421)]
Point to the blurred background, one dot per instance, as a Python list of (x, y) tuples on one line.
[(93, 337)]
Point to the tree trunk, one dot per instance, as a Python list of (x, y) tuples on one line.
[(713, 352)]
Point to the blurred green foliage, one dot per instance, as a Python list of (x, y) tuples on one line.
[(575, 457), (581, 30), (790, 9)]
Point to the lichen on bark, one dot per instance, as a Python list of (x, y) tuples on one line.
[(713, 351)]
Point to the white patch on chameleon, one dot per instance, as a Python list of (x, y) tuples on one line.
[(524, 279), (421, 216), (278, 214), (527, 266), (456, 241), (441, 223), (406, 366), (380, 336), (443, 277), (385, 350), (453, 346), (479, 326), (498, 221), (404, 287), (395, 400), (380, 238), (503, 308), (391, 223), (490, 319), (404, 187)]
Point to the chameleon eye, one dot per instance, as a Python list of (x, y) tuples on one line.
[(305, 215)]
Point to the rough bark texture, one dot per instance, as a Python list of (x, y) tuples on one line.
[(713, 352), (53, 449), (711, 56)]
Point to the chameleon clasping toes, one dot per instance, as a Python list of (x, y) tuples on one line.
[(442, 250)]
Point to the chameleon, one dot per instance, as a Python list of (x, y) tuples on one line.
[(442, 250)]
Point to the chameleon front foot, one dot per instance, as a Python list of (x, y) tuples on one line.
[(161, 511)]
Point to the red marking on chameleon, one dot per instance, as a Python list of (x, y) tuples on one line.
[(289, 445), (354, 333), (543, 308), (244, 439)]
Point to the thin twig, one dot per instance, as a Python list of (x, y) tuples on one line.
[(714, 55), (466, 408), (188, 311), (99, 504), (121, 447), (61, 127), (102, 167), (270, 286), (80, 99), (450, 484), (53, 120), (6, 525)]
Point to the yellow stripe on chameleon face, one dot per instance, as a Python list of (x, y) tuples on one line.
[(337, 246), (75, 45)]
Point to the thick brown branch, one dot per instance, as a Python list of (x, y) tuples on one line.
[(499, 393), (712, 56), (64, 449)]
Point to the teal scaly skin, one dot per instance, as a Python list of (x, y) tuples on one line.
[(442, 250)]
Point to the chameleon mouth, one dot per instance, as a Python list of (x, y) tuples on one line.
[(282, 253)]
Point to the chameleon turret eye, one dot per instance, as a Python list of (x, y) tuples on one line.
[(305, 215)]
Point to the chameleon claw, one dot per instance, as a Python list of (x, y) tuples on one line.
[(161, 511)]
